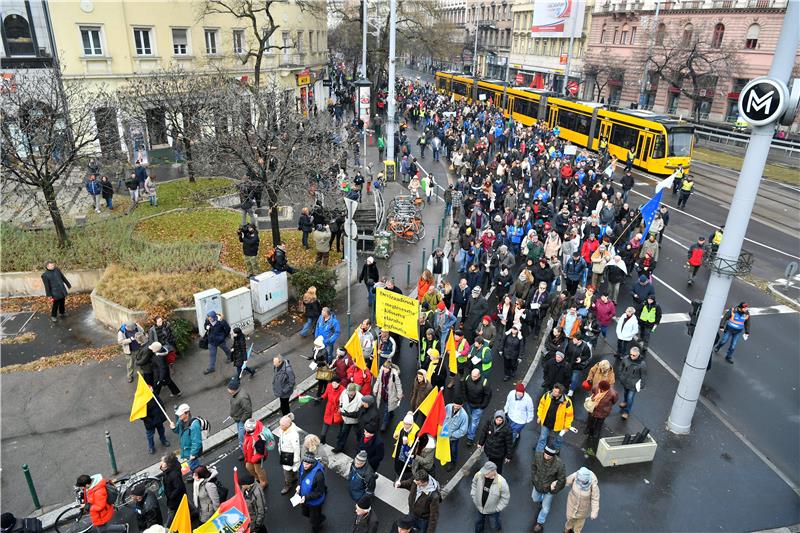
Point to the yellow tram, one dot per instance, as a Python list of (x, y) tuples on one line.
[(661, 143)]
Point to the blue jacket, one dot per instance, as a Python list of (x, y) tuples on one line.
[(94, 187), (361, 481), (641, 292), (573, 270), (141, 174), (329, 329), (515, 234), (217, 332), (191, 438), (457, 425)]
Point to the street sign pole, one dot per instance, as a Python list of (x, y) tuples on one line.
[(390, 105), (752, 107)]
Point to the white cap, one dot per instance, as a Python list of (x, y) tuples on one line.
[(370, 260), (182, 409)]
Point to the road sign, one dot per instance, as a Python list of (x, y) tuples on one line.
[(763, 101), (572, 87), (791, 270), (519, 79), (350, 229)]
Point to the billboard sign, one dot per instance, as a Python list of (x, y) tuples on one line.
[(558, 18)]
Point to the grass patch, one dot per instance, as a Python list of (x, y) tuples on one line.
[(147, 290), (734, 162), (75, 357), (22, 338), (218, 227), (111, 240)]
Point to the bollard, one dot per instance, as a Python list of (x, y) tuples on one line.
[(424, 252), (26, 471), (433, 244), (408, 273), (348, 323), (110, 446)]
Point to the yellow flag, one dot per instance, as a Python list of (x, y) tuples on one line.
[(450, 350), (140, 399), (443, 446), (355, 350), (182, 523), (427, 403), (375, 362)]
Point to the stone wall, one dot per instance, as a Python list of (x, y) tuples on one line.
[(21, 284)]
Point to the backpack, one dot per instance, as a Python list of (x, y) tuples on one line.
[(268, 438), (112, 493), (222, 490), (205, 426)]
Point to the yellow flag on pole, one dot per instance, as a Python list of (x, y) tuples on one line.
[(450, 350), (355, 350), (375, 360), (427, 403), (182, 523), (443, 446), (140, 399)]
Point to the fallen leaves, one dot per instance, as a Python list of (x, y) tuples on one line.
[(22, 338), (74, 357), (40, 304)]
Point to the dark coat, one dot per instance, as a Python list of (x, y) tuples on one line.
[(283, 380), (497, 442), (174, 488), (369, 418), (218, 332), (460, 296), (313, 310), (582, 352), (144, 360), (369, 274), (366, 524), (425, 507), (375, 450), (476, 309), (148, 511), (631, 371), (477, 393), (239, 350), (606, 403), (249, 243), (55, 284), (154, 415), (511, 347), (554, 372), (544, 472), (160, 368)]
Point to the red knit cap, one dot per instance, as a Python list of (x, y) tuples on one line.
[(520, 387)]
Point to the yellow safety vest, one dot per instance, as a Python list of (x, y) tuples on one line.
[(687, 186), (459, 350), (631, 154), (648, 314), (717, 237), (679, 174)]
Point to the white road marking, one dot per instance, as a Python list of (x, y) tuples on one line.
[(670, 287), (669, 318), (683, 212)]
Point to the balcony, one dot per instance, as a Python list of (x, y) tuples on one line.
[(291, 59)]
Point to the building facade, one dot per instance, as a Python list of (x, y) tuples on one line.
[(107, 42), (26, 35), (541, 62), (739, 36), (492, 20)]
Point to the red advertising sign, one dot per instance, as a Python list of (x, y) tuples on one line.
[(562, 59), (519, 79), (572, 87)]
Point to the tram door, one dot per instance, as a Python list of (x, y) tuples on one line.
[(644, 146), (605, 131), (552, 116)]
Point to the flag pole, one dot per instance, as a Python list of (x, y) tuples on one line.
[(411, 449), (162, 408)]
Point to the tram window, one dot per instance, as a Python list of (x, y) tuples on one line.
[(442, 83), (623, 136), (526, 107), (658, 147), (573, 121), (459, 88)]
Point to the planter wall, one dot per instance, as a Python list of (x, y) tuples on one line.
[(114, 315), (611, 452), (19, 284)]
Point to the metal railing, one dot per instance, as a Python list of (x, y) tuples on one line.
[(728, 137)]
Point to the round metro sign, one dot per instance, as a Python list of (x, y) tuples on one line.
[(763, 101)]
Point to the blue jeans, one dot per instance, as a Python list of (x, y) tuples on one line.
[(604, 331), (420, 523), (447, 208), (575, 380), (212, 354), (110, 202), (240, 431), (543, 437), (627, 396), (306, 328), (331, 353), (480, 521), (546, 500), (370, 297), (729, 335), (454, 450), (474, 419), (150, 433), (516, 430)]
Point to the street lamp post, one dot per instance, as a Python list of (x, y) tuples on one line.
[(475, 64), (643, 82)]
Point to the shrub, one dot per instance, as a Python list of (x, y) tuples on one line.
[(324, 279), (183, 331)]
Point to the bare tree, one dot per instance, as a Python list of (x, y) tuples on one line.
[(269, 140), (602, 69), (48, 128), (692, 54), (259, 15), (183, 97)]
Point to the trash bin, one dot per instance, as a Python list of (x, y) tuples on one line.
[(611, 451), (383, 244)]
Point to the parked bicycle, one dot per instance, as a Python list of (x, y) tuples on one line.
[(76, 518), (410, 229)]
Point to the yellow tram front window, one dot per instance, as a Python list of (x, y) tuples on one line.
[(680, 142)]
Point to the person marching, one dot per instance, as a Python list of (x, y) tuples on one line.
[(735, 323), (686, 189), (312, 490), (694, 259)]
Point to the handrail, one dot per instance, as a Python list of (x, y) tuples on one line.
[(723, 136)]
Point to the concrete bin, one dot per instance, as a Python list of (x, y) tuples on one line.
[(611, 452)]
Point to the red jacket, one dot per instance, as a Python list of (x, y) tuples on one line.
[(605, 312), (588, 249), (695, 255), (96, 496), (251, 455), (332, 414), (341, 367), (362, 378)]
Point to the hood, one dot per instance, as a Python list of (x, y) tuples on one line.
[(432, 486), (96, 479)]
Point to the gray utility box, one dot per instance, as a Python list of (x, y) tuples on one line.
[(611, 452)]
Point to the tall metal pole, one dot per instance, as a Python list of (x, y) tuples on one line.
[(694, 369), (364, 22), (643, 81), (573, 20), (391, 96), (475, 64)]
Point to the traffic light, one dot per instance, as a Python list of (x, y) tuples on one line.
[(693, 316)]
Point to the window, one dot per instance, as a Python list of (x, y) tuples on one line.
[(616, 34), (660, 32), (211, 41), (180, 42), (299, 42), (142, 40), (603, 34), (624, 136), (680, 142), (90, 35), (238, 41), (459, 88), (529, 108), (576, 122), (18, 36), (687, 34), (658, 147), (719, 31), (751, 39), (633, 34), (624, 37)]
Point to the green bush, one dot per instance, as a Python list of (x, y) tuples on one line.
[(183, 331), (324, 279)]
